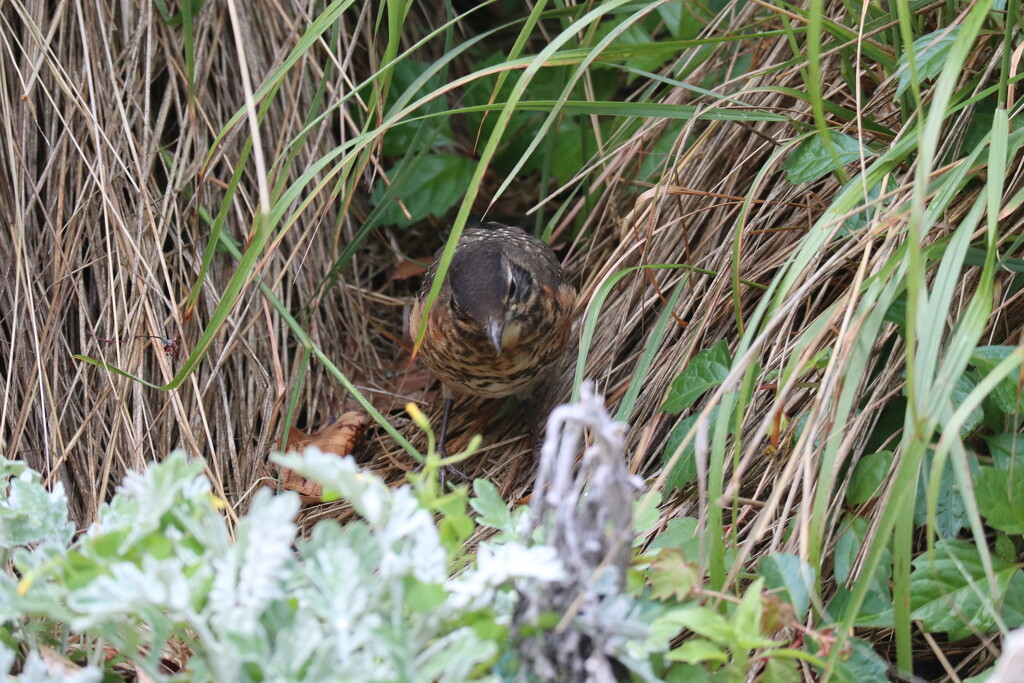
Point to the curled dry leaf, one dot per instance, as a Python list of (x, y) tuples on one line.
[(339, 435)]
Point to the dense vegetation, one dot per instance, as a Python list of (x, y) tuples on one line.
[(797, 234)]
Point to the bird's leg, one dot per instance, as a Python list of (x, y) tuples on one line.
[(447, 471), (442, 436), (529, 409)]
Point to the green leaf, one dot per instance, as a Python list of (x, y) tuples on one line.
[(1000, 496), (672, 576), (656, 158), (848, 545), (950, 592), (703, 621), (681, 533), (985, 359), (492, 510), (747, 619), (705, 371), (780, 670), (646, 514), (685, 470), (868, 477), (1004, 548), (875, 611), (398, 139), (1006, 450), (861, 664), (792, 576), (687, 673), (434, 185), (698, 650), (423, 597), (635, 36), (950, 511), (930, 53), (1013, 606), (455, 529), (964, 386), (572, 148), (984, 677), (812, 158), (672, 14)]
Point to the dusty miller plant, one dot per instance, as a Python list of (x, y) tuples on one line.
[(373, 599)]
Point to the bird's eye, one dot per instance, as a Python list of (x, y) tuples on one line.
[(518, 285)]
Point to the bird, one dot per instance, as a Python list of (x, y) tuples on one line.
[(501, 320)]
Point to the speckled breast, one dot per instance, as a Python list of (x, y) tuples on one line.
[(464, 360)]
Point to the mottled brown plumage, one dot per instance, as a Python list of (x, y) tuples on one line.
[(502, 318)]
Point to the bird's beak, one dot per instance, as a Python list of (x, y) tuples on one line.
[(495, 326)]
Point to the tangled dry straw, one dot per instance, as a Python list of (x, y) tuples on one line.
[(105, 192)]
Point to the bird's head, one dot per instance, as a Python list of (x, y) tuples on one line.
[(490, 291)]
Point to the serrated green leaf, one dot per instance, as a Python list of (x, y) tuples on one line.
[(492, 511), (868, 477), (875, 611), (705, 371), (1000, 496), (949, 592), (672, 576), (862, 664), (812, 159), (792, 577), (1006, 449), (681, 533), (985, 359), (930, 53), (433, 186), (685, 470), (950, 511)]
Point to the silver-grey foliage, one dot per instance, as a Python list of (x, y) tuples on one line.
[(585, 514), (373, 600)]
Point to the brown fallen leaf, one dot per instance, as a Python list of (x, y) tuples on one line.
[(408, 268), (338, 436)]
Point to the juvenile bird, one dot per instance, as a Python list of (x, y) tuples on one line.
[(502, 318)]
